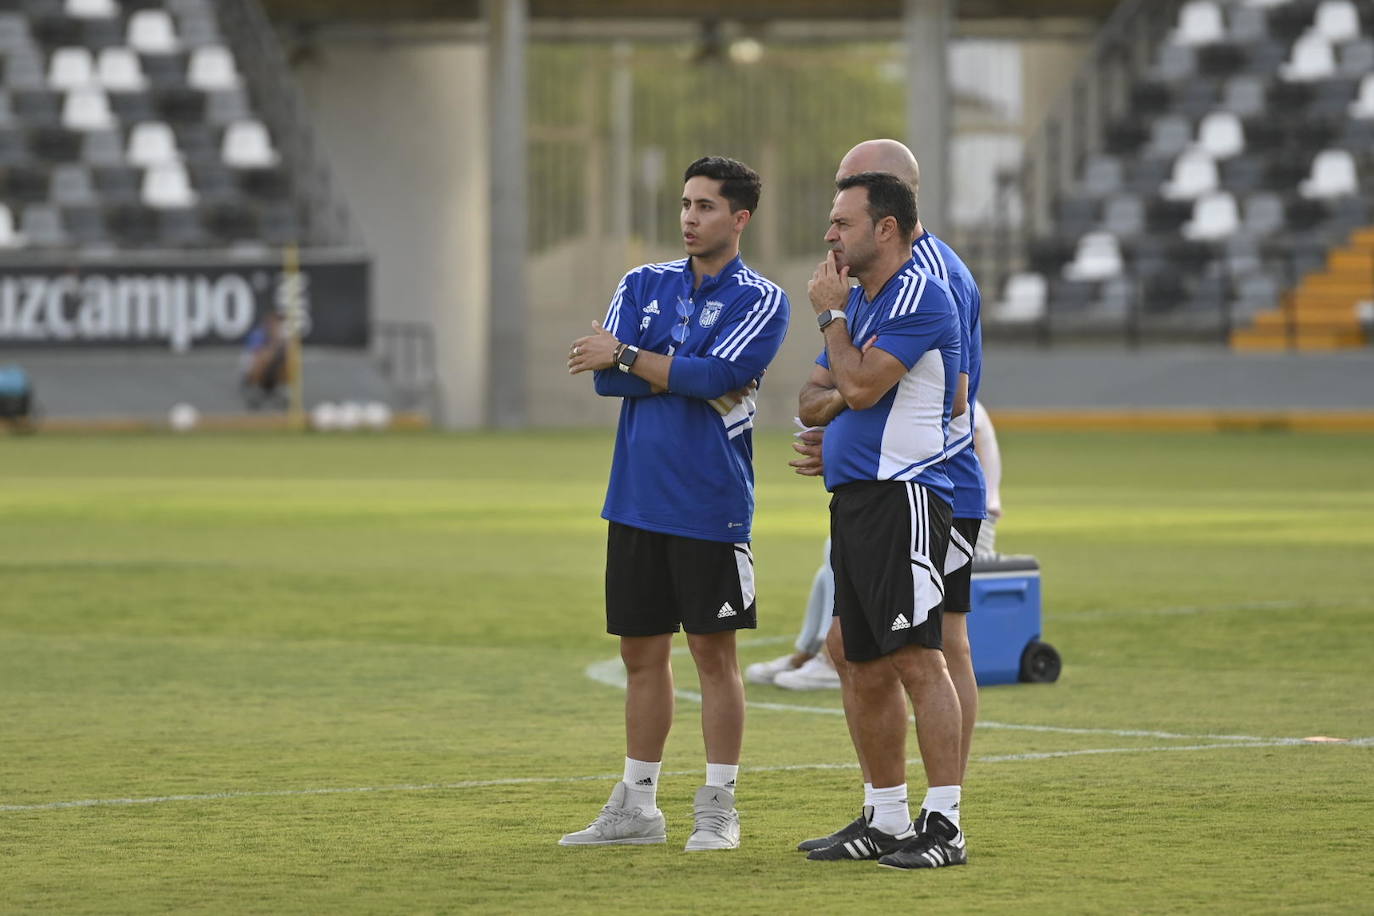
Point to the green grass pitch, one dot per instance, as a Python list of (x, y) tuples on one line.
[(271, 674)]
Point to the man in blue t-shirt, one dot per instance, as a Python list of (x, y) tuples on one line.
[(684, 345), (963, 466), (885, 388)]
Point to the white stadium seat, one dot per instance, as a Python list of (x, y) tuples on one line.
[(1363, 106), (1199, 23), (1338, 21), (151, 32), (87, 108), (1333, 175), (152, 143), (1195, 173), (8, 237), (92, 9), (168, 187), (1025, 298), (1098, 257), (1221, 135), (119, 70), (247, 145), (1215, 217), (70, 68), (212, 68), (1312, 60)]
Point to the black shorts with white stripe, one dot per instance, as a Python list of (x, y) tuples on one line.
[(659, 583), (959, 581), (888, 540)]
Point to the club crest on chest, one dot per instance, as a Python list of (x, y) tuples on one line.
[(709, 313)]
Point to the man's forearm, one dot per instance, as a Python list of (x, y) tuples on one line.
[(818, 405)]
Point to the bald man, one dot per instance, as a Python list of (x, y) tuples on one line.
[(970, 503)]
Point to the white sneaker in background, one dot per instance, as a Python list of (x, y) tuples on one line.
[(764, 672), (717, 821), (618, 825), (817, 674)]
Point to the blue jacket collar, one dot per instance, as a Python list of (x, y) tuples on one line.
[(710, 281)]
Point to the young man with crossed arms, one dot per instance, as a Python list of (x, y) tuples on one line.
[(683, 345)]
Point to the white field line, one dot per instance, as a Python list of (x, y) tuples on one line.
[(606, 777), (1180, 611), (611, 672)]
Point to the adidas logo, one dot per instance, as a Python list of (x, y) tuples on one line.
[(901, 623), (646, 781), (651, 308), (726, 610)]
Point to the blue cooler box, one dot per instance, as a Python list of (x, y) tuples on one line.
[(1004, 628)]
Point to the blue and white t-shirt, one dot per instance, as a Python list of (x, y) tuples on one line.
[(965, 472), (680, 467), (902, 437)]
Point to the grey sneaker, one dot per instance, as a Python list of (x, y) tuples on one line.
[(717, 821), (618, 825)]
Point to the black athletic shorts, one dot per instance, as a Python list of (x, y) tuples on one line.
[(887, 548), (660, 583), (959, 582)]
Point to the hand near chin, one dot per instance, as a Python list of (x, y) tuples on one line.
[(829, 285)]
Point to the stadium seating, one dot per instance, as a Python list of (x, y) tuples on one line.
[(1241, 165), (131, 124), (1024, 298)]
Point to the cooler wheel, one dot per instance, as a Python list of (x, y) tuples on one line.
[(1040, 663)]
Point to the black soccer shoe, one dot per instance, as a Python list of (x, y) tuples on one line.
[(849, 832), (939, 843), (871, 844)]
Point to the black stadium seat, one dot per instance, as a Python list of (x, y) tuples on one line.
[(133, 224), (56, 144)]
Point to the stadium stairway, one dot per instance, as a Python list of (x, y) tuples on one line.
[(1322, 312)]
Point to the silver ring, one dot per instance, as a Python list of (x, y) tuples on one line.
[(577, 351)]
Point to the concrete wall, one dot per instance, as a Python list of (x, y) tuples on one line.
[(405, 127)]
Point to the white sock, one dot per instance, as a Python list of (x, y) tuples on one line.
[(641, 779), (944, 799), (722, 775), (868, 795), (890, 811)]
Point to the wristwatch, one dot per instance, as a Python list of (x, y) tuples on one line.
[(626, 357), (824, 318)]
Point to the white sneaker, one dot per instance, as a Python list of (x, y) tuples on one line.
[(618, 825), (817, 674), (717, 821), (764, 672)]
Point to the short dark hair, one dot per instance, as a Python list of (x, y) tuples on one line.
[(888, 196), (739, 184)]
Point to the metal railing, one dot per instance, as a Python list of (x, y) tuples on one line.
[(323, 209), (405, 355)]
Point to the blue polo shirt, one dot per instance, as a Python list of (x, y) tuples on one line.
[(902, 436), (965, 472), (679, 466)]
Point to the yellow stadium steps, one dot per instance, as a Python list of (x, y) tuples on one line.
[(1322, 312)]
